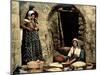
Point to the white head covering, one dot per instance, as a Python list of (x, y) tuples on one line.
[(75, 39), (30, 12)]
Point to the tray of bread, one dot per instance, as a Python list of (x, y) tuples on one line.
[(53, 67)]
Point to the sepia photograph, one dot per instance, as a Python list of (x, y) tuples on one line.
[(52, 37)]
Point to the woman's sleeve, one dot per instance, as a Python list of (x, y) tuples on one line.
[(70, 53), (23, 26)]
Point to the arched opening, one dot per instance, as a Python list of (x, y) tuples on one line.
[(70, 27), (66, 22)]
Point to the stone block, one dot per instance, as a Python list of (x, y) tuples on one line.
[(15, 7), (15, 34), (15, 21)]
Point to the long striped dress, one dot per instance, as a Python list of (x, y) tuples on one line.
[(31, 47)]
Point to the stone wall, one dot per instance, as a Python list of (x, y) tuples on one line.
[(15, 35), (89, 13)]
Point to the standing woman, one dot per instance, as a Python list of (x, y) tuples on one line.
[(31, 47)]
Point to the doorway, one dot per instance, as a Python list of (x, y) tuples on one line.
[(70, 27)]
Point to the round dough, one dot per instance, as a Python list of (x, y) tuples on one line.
[(56, 65), (54, 69), (79, 64)]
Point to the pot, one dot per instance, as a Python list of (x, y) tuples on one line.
[(89, 66), (59, 58)]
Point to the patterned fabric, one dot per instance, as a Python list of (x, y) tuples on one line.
[(31, 48)]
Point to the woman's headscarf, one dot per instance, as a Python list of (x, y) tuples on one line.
[(31, 9), (30, 12), (75, 39)]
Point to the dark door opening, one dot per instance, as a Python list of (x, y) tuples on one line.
[(69, 21)]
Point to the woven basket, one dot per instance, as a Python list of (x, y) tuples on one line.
[(35, 66)]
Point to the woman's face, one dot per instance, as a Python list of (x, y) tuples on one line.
[(33, 16), (75, 43)]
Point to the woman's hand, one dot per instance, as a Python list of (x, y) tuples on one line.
[(29, 29), (73, 60), (36, 28)]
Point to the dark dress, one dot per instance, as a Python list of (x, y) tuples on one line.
[(31, 47)]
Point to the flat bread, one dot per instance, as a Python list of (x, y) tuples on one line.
[(79, 64), (35, 64), (56, 65), (54, 69)]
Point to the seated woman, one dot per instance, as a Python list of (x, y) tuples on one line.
[(75, 53)]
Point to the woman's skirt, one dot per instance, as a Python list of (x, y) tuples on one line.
[(31, 47)]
